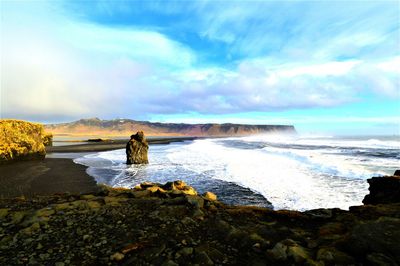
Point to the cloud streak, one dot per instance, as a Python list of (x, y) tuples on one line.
[(119, 59)]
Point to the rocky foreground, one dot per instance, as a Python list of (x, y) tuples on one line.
[(170, 224)]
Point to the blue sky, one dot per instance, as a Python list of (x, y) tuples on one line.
[(329, 67)]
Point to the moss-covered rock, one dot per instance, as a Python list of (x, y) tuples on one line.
[(21, 140)]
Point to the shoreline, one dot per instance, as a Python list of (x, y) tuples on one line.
[(59, 175), (111, 145)]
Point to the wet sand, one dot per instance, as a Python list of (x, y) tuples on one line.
[(59, 175), (44, 177), (111, 145)]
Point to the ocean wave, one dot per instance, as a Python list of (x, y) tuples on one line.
[(290, 176)]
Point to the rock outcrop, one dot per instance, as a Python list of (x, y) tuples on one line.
[(384, 189), (170, 224), (137, 149), (21, 140)]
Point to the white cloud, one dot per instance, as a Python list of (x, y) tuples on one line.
[(283, 59)]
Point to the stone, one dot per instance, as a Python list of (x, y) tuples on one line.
[(137, 149), (298, 253), (117, 256), (45, 212), (114, 201), (79, 204), (141, 194), (319, 213), (278, 252), (179, 184), (195, 201), (170, 263), (379, 259), (210, 196), (198, 214), (382, 190), (155, 189), (216, 255), (331, 255), (18, 216), (62, 206), (3, 213), (95, 205), (186, 251), (31, 229), (331, 229), (187, 221), (203, 259), (188, 190), (176, 193), (376, 236), (87, 197)]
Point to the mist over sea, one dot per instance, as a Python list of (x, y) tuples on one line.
[(291, 172)]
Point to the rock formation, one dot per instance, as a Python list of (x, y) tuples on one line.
[(385, 189), (136, 149), (21, 140)]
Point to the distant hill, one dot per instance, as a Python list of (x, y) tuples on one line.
[(125, 127)]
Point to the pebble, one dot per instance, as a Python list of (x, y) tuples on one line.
[(117, 256)]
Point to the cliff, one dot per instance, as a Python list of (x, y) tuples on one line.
[(125, 127), (21, 140), (170, 224)]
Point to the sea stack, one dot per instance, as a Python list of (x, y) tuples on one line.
[(136, 149)]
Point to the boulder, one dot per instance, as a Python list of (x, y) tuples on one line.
[(137, 149), (21, 140), (384, 189), (375, 236), (210, 196)]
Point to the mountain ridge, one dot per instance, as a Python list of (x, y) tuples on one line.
[(123, 127)]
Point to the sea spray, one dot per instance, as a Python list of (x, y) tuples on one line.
[(297, 173)]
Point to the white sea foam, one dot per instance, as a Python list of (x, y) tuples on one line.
[(322, 174), (288, 182)]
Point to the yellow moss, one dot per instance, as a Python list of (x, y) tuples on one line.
[(19, 139), (48, 139)]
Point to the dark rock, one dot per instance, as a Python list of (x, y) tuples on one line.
[(333, 256), (378, 259), (379, 236), (136, 149), (203, 259), (397, 173), (383, 190)]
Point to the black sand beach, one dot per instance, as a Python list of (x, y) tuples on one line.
[(58, 175), (45, 177), (112, 145)]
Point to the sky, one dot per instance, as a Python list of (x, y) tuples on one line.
[(327, 67)]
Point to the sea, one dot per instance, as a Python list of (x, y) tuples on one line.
[(291, 172)]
